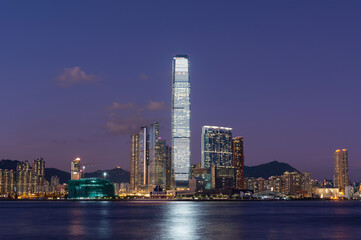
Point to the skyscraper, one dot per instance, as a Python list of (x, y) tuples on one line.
[(238, 161), (216, 146), (143, 157), (341, 169), (153, 135), (181, 114), (39, 167), (134, 161)]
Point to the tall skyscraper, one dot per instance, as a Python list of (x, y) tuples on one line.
[(238, 161), (216, 146), (341, 169), (134, 161), (143, 157), (181, 115), (75, 169), (153, 134)]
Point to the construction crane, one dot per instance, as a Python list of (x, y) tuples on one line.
[(82, 168)]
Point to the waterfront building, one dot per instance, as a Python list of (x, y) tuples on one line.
[(238, 161), (161, 155), (134, 162), (181, 114), (169, 177), (143, 157), (75, 169), (341, 169), (223, 177), (153, 156), (23, 178), (54, 182), (90, 188), (216, 146)]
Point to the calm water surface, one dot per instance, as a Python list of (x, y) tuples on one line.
[(180, 220)]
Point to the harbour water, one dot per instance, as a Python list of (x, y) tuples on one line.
[(180, 220)]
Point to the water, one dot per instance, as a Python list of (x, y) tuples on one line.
[(180, 220)]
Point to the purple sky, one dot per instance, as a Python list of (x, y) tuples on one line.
[(77, 76)]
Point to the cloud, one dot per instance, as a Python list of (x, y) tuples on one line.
[(126, 125), (143, 76), (119, 106), (155, 106), (75, 75), (128, 118)]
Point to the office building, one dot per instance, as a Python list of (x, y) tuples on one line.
[(181, 115), (238, 161), (341, 169), (134, 162), (143, 157), (153, 159), (90, 188), (216, 146)]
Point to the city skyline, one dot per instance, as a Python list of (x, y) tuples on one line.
[(76, 88)]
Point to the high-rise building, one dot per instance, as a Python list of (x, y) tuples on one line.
[(238, 161), (134, 161), (216, 146), (341, 169), (181, 115), (143, 157), (153, 135), (23, 178), (75, 169), (39, 167), (169, 176)]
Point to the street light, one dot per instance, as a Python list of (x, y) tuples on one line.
[(105, 175)]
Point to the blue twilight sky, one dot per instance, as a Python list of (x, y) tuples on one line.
[(77, 76)]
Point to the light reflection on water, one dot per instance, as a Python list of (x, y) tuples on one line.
[(180, 220)]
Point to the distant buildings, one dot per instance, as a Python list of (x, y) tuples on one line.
[(134, 161), (341, 169), (181, 114), (216, 146)]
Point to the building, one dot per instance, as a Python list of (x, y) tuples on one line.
[(181, 116), (161, 155), (238, 161), (75, 169), (153, 159), (39, 167), (223, 177), (134, 162), (216, 146), (327, 192), (23, 178), (90, 188), (341, 169), (54, 182), (143, 157), (169, 175)]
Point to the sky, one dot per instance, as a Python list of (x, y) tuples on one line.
[(77, 77)]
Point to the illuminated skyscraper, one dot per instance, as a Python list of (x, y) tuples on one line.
[(216, 146), (134, 161), (341, 169), (238, 161), (181, 115), (153, 135), (143, 157), (39, 167), (75, 169)]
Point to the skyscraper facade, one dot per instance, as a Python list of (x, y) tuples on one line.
[(143, 157), (216, 146), (181, 114), (75, 169), (238, 161), (341, 169), (134, 161), (153, 135)]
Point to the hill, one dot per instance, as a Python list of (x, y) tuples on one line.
[(266, 170)]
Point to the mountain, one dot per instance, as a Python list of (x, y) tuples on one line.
[(9, 164), (266, 170), (63, 176)]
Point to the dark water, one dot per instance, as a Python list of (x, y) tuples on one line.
[(180, 220)]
